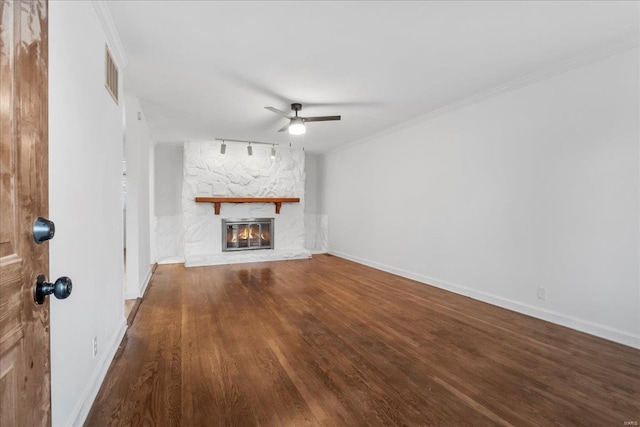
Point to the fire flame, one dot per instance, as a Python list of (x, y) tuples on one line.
[(248, 233)]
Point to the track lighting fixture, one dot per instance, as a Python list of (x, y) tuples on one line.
[(223, 146)]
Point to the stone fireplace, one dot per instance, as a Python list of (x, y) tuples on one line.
[(234, 174), (247, 234)]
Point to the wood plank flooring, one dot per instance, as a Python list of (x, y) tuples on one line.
[(329, 342)]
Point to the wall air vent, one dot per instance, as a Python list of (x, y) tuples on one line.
[(110, 74)]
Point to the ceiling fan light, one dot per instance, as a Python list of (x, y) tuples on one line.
[(297, 127)]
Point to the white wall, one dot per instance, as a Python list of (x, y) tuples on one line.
[(315, 221), (311, 183), (85, 202), (169, 230), (153, 256), (538, 186), (137, 151), (168, 179)]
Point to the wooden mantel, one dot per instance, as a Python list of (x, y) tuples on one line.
[(219, 200)]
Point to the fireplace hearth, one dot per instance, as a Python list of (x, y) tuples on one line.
[(247, 234)]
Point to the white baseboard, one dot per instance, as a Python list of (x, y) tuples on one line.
[(174, 260), (581, 325), (81, 410)]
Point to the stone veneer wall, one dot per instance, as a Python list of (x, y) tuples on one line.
[(209, 173), (169, 231), (317, 233)]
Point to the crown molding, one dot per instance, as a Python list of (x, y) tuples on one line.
[(113, 40), (623, 44)]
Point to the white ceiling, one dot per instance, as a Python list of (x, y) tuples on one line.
[(207, 69)]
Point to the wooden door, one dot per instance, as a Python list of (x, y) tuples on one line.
[(24, 327)]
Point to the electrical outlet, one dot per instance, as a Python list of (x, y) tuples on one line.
[(542, 293), (95, 346)]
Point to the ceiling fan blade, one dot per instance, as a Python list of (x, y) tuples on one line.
[(285, 127), (275, 110), (320, 118)]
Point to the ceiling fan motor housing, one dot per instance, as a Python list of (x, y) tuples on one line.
[(296, 123)]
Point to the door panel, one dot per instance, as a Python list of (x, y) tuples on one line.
[(7, 146), (9, 386), (24, 327)]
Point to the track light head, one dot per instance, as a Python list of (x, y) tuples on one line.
[(223, 148), (273, 152), (249, 150)]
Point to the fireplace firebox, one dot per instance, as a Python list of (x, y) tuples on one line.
[(247, 234)]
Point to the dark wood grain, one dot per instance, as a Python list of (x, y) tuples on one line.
[(329, 342)]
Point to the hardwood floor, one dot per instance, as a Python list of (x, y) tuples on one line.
[(330, 342)]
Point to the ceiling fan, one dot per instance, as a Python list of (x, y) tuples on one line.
[(296, 123)]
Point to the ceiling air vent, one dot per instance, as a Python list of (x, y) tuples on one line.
[(111, 74)]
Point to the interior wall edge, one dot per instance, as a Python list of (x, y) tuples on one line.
[(145, 282), (581, 325)]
